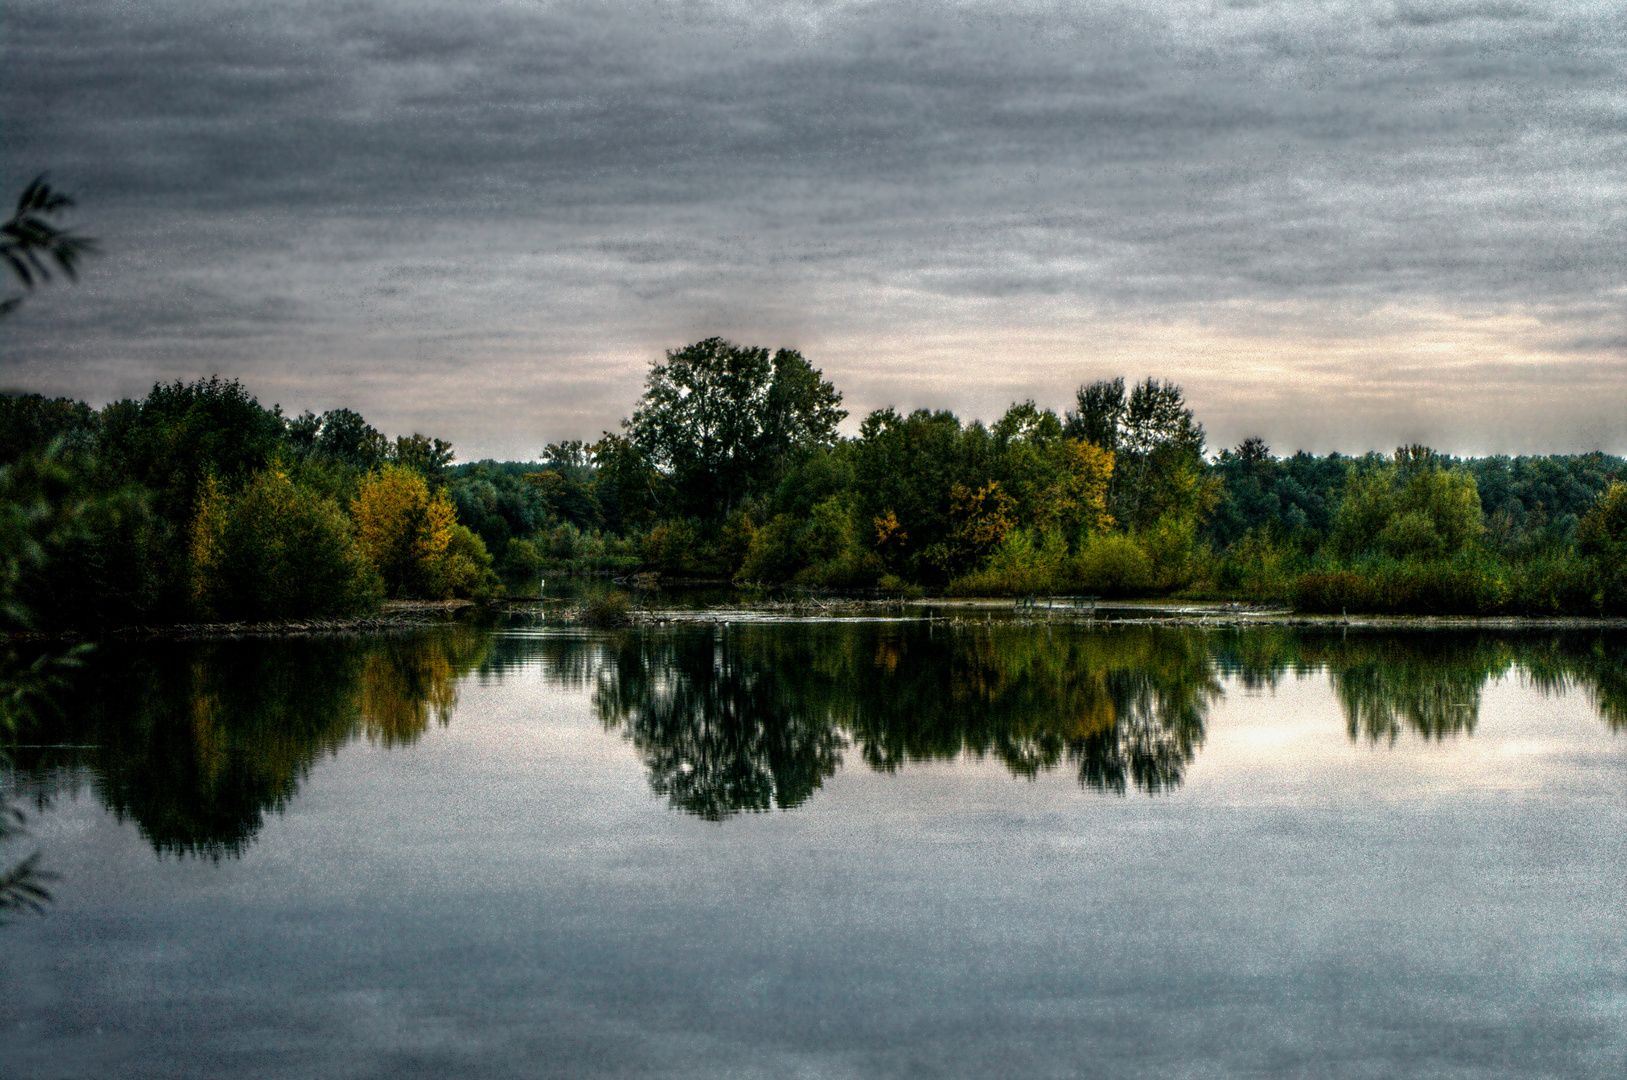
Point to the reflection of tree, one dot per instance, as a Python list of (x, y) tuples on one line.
[(196, 743), (1598, 667), (757, 717), (403, 684), (1123, 707), (1431, 685), (719, 729), (1430, 682)]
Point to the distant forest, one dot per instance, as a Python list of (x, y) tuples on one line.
[(198, 503)]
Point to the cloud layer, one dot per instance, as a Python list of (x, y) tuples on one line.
[(1340, 224)]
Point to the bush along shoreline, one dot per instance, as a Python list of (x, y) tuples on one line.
[(198, 506)]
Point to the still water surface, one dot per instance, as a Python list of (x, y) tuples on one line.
[(831, 850)]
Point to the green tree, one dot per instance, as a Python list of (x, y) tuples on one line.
[(1602, 533), (723, 422), (903, 469), (181, 432), (1157, 447), (1414, 506), (275, 550), (31, 422), (339, 435), (424, 455)]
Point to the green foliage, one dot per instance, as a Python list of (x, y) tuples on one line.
[(1602, 533), (1172, 547), (1157, 447), (1411, 507), (672, 547), (465, 569), (30, 422), (339, 435), (1602, 539), (1260, 567), (721, 423), (1114, 565), (567, 547), (275, 550), (1533, 504), (1470, 583), (522, 559), (424, 455), (1294, 498), (829, 547), (1023, 564), (904, 466), (182, 432), (775, 554), (631, 490)]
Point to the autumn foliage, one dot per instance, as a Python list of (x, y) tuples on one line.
[(412, 536)]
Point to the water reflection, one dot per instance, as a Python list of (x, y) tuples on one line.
[(753, 717), (1425, 683), (197, 744)]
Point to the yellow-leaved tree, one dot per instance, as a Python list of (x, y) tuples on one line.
[(413, 538), (1078, 500)]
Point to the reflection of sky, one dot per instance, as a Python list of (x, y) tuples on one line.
[(1294, 740), (506, 897)]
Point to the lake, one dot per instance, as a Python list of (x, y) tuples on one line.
[(866, 848)]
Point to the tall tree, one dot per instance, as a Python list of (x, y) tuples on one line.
[(723, 422), (1156, 442)]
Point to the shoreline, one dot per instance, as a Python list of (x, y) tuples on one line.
[(394, 617), (401, 616)]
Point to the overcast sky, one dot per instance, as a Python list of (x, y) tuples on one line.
[(1337, 225)]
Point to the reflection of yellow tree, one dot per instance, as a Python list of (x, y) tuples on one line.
[(198, 743), (404, 684)]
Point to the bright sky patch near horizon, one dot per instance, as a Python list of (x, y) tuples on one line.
[(1341, 226)]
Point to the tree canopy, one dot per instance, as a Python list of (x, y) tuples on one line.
[(721, 422)]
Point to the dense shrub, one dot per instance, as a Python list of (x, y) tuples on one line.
[(1259, 567), (1112, 564), (522, 559), (465, 569), (1022, 565), (1475, 583), (275, 550), (672, 547)]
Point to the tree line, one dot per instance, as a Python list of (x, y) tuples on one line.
[(731, 465), (198, 503)]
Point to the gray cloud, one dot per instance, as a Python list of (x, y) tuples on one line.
[(486, 218)]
